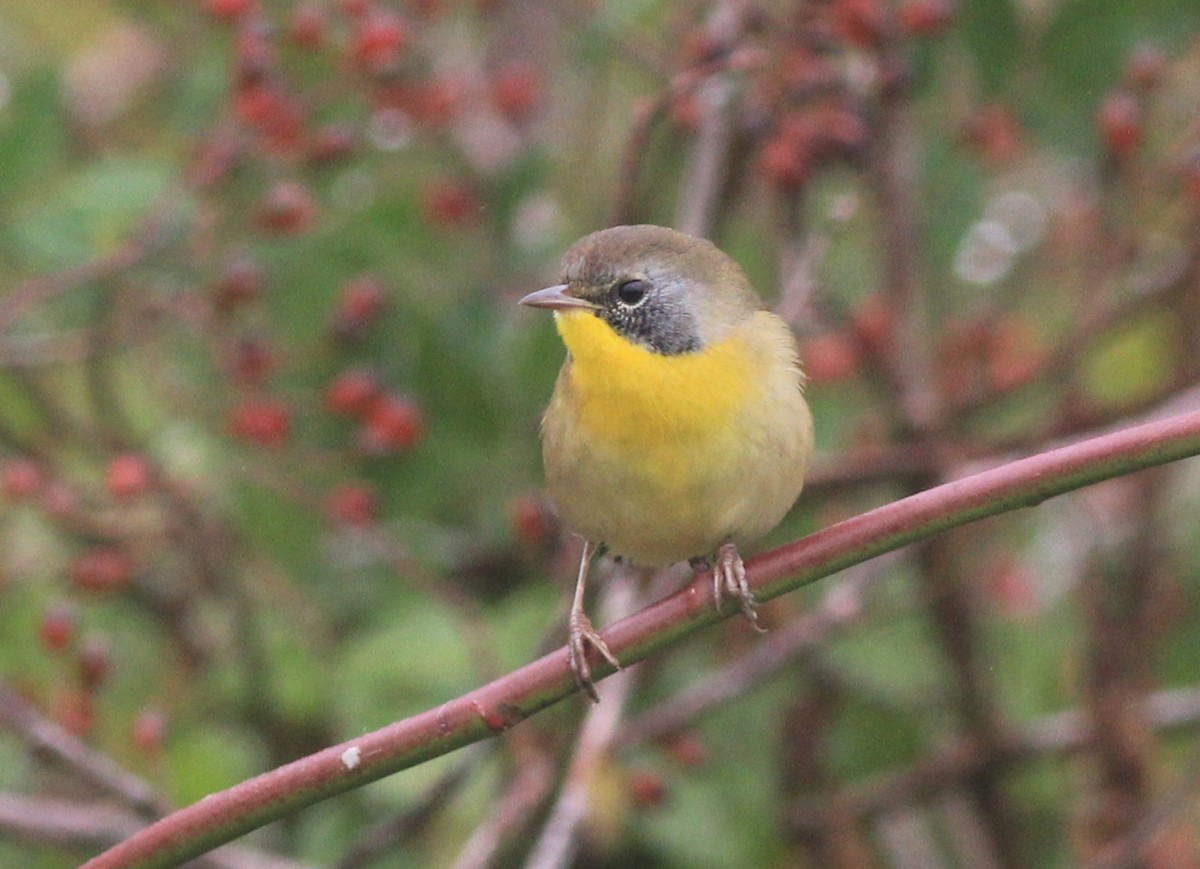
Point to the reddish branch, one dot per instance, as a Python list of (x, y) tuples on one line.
[(531, 781), (76, 824), (840, 608), (503, 703), (650, 113), (51, 740), (1119, 592)]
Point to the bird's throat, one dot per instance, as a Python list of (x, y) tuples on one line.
[(624, 393)]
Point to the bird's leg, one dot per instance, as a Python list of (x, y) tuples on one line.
[(729, 578), (580, 632)]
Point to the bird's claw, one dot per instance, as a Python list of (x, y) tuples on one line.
[(581, 634), (729, 579)]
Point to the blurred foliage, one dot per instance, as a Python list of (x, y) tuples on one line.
[(149, 151)]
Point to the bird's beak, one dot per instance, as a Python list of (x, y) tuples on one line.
[(557, 298)]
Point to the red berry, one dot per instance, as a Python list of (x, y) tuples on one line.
[(829, 128), (394, 424), (1011, 587), (127, 476), (57, 628), (95, 661), (829, 358), (1013, 355), (687, 749), (228, 10), (287, 208), (647, 789), (836, 129), (516, 90), (150, 730), (256, 102), (101, 569), (283, 127), (20, 479), (926, 17), (1119, 120), (360, 303), (378, 40), (996, 133), (353, 8), (433, 103), (531, 520), (782, 163), (449, 203), (331, 143), (352, 392), (266, 422), (308, 24), (861, 22), (241, 281), (872, 323), (354, 504)]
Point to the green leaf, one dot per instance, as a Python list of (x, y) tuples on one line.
[(88, 213), (1134, 361)]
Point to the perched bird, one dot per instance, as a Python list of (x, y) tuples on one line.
[(677, 428)]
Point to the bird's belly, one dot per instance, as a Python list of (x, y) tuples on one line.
[(677, 486)]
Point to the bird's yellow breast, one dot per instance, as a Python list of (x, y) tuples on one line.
[(626, 394), (667, 456)]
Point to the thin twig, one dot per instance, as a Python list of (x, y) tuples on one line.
[(894, 165), (1119, 595), (707, 162), (79, 825), (386, 837), (65, 823), (841, 606), (529, 786), (49, 739), (649, 113)]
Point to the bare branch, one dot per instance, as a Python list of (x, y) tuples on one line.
[(51, 740)]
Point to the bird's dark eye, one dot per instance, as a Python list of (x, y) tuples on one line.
[(632, 291)]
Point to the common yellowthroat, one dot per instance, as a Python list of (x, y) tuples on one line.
[(677, 428)]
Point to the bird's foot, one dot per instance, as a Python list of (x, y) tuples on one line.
[(581, 634), (729, 580)]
